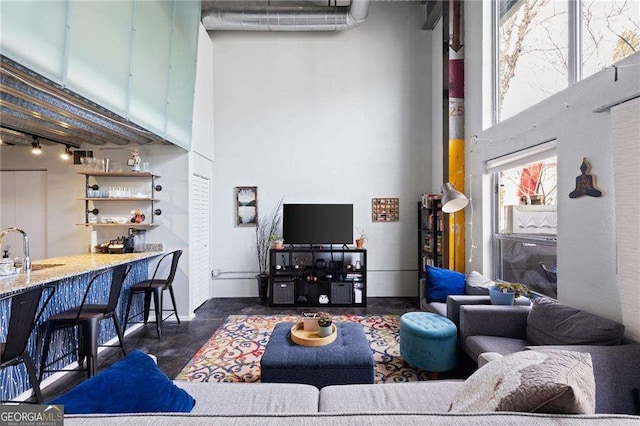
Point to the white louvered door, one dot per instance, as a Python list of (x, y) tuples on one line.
[(200, 244)]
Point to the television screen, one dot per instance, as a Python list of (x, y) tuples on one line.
[(317, 223)]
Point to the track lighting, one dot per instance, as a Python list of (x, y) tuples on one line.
[(35, 146), (67, 153)]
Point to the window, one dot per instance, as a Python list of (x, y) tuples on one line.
[(526, 225), (532, 53), (610, 32), (542, 46)]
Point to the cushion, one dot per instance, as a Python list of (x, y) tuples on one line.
[(134, 384), (477, 284), (550, 381), (550, 323), (442, 283)]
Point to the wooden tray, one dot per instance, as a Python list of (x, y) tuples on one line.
[(310, 338)]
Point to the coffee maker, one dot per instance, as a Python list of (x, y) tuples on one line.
[(136, 241)]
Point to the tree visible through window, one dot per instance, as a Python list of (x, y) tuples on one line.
[(534, 51), (610, 32)]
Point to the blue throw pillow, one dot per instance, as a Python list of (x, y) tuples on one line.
[(134, 384), (442, 283)]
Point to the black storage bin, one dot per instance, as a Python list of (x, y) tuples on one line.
[(341, 293), (284, 292)]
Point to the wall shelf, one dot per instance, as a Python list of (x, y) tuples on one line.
[(117, 199), (140, 175), (119, 174), (127, 225), (430, 235)]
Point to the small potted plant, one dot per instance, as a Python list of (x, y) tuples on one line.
[(276, 241), (505, 293), (325, 322), (361, 239)]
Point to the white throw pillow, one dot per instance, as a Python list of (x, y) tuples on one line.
[(478, 284), (549, 381)]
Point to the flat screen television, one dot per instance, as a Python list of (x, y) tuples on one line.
[(317, 223)]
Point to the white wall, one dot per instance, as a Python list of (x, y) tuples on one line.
[(325, 118), (202, 130), (63, 187), (586, 237)]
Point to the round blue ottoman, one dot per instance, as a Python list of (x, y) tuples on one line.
[(428, 341)]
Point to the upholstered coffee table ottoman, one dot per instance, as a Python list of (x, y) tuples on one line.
[(347, 360)]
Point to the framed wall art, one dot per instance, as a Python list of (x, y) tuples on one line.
[(246, 205), (385, 209)]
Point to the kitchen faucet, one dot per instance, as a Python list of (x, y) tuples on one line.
[(26, 262)]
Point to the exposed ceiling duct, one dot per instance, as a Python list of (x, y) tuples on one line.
[(267, 15), (31, 105)]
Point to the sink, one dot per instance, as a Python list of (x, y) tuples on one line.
[(41, 266)]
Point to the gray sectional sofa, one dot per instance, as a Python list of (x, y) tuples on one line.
[(615, 370), (509, 329), (418, 403)]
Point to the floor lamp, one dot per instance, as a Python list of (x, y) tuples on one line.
[(453, 201)]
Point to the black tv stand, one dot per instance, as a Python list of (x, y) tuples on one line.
[(318, 277)]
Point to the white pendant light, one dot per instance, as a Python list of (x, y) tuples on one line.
[(452, 200)]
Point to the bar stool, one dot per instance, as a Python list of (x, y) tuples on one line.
[(156, 287), (23, 319), (87, 317)]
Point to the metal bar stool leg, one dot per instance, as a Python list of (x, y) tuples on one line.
[(90, 345), (116, 324), (147, 305), (33, 378), (157, 298), (126, 315), (45, 350), (173, 300)]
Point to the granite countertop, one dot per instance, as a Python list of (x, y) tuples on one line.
[(69, 266)]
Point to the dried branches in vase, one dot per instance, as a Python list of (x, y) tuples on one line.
[(265, 229)]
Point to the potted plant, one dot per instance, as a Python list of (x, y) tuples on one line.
[(265, 229), (361, 239), (505, 293), (277, 243), (325, 322)]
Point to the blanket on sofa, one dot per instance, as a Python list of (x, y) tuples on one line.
[(233, 352)]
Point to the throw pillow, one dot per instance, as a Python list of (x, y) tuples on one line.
[(477, 284), (550, 381), (134, 384), (442, 283), (550, 323)]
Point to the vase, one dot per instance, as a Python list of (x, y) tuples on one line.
[(325, 331), (263, 286), (500, 298), (360, 243)]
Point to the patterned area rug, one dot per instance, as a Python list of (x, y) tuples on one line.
[(233, 353)]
